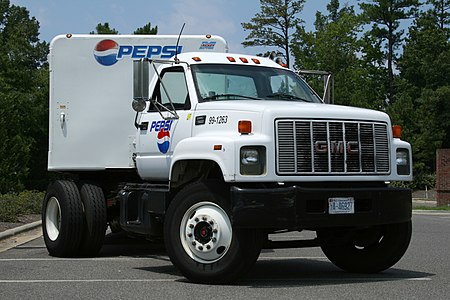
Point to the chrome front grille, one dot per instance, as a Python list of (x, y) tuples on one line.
[(319, 147)]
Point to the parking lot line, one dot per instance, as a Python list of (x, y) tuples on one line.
[(125, 258), (86, 280), (121, 258)]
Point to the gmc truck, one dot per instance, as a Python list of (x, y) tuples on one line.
[(217, 152)]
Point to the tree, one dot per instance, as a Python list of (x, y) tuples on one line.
[(425, 86), (334, 46), (440, 11), (147, 29), (273, 26), (23, 99), (385, 17), (104, 29)]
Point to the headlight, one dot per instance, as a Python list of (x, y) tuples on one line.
[(249, 156), (403, 163), (253, 160)]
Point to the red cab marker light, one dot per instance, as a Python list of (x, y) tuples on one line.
[(397, 131), (243, 59), (256, 61), (231, 59), (245, 126), (197, 59)]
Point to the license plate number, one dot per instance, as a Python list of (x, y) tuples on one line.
[(341, 206)]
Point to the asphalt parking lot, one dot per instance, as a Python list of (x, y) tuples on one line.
[(136, 269)]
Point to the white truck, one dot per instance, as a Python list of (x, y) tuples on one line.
[(220, 151)]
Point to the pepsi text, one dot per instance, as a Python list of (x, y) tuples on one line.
[(163, 124)]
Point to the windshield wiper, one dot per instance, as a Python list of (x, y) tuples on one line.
[(286, 97), (228, 97)]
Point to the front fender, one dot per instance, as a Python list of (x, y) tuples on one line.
[(202, 148)]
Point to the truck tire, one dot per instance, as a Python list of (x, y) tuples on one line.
[(62, 219), (95, 219), (200, 240), (369, 250)]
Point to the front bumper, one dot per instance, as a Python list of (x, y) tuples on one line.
[(296, 208)]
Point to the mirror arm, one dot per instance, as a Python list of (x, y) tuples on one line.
[(174, 112), (136, 124)]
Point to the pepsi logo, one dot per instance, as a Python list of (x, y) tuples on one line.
[(105, 52), (163, 140)]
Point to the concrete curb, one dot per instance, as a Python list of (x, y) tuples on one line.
[(431, 212), (14, 231)]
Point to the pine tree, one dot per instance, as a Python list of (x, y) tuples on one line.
[(104, 29), (440, 11), (274, 25), (147, 29), (385, 17)]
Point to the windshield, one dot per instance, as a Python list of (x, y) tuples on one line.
[(232, 82)]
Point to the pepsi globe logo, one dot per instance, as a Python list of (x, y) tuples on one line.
[(105, 52), (163, 140)]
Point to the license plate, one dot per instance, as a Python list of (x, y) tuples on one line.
[(341, 206)]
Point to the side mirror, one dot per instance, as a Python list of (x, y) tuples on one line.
[(141, 83)]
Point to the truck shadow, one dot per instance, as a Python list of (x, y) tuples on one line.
[(120, 244), (266, 273), (312, 272)]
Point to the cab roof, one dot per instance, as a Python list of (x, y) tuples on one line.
[(226, 58)]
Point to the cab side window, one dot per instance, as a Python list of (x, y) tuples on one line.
[(173, 87)]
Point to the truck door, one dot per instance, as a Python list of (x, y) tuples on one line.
[(160, 132)]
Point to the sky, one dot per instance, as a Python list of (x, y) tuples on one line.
[(218, 17)]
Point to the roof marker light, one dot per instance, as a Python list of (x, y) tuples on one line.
[(256, 61), (196, 58), (243, 59), (231, 59)]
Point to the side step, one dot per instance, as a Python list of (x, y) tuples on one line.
[(149, 187)]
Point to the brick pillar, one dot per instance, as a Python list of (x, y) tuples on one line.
[(443, 177)]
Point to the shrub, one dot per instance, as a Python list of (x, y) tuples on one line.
[(14, 205)]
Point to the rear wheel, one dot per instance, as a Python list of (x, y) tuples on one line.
[(95, 219), (62, 219), (368, 250), (200, 240)]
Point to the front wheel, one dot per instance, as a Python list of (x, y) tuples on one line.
[(200, 240), (368, 250)]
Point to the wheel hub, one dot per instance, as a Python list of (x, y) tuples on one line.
[(206, 232), (53, 218), (203, 232)]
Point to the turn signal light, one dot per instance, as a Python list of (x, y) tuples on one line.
[(397, 131), (245, 126)]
